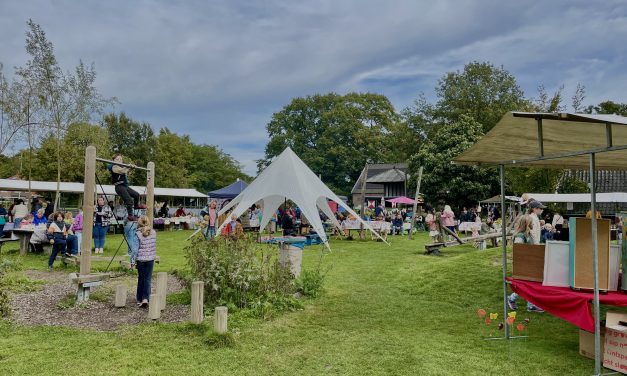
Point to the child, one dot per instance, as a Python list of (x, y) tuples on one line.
[(432, 224), (57, 234), (68, 219), (143, 256), (523, 235), (77, 227), (119, 178), (102, 216)]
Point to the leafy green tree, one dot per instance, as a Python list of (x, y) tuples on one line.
[(447, 183), (482, 91), (210, 168), (72, 154), (335, 135), (134, 140), (173, 154), (64, 98), (608, 107)]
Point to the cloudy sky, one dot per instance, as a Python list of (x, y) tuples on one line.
[(217, 70)]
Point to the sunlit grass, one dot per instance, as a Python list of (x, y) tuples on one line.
[(385, 310)]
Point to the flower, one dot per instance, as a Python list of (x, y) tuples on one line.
[(510, 320), (481, 312), (488, 321), (511, 314), (494, 316), (520, 327)]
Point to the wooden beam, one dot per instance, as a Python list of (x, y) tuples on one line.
[(150, 193), (89, 195)]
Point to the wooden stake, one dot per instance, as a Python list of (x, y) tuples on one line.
[(162, 287), (415, 212), (220, 320), (150, 193), (88, 209), (197, 302), (120, 295), (153, 308)]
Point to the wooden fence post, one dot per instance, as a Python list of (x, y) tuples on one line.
[(197, 302), (162, 288), (154, 311), (220, 320), (120, 295)]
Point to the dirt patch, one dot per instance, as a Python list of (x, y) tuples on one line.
[(53, 304)]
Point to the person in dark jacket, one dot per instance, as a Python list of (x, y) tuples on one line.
[(287, 223), (119, 178)]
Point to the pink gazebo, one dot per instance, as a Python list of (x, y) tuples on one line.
[(402, 200)]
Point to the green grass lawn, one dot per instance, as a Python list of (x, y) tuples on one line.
[(386, 310)]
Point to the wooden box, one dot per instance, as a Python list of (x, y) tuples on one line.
[(528, 262), (581, 272)]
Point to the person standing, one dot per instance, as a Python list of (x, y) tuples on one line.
[(19, 212), (3, 219), (524, 235), (535, 211), (143, 257), (432, 225), (102, 216), (212, 213), (77, 227), (448, 218)]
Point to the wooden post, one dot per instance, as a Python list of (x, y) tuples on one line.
[(162, 287), (220, 320), (150, 193), (363, 192), (415, 212), (120, 295), (88, 209), (154, 311), (197, 302)]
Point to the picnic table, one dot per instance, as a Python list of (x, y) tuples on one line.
[(383, 228), (24, 235)]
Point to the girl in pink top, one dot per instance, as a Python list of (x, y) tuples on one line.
[(448, 218)]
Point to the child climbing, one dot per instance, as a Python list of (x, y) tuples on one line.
[(119, 178)]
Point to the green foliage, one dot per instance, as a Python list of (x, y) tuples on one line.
[(210, 168), (240, 274), (446, 183), (608, 107), (335, 135), (67, 302), (481, 91), (173, 153), (311, 281)]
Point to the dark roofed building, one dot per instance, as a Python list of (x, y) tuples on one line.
[(607, 181), (386, 180)]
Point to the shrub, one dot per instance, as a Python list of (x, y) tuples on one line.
[(310, 283), (241, 274)]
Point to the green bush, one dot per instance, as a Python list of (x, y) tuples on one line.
[(311, 281), (241, 274)]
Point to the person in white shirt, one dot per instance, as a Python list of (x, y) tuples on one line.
[(535, 210), (557, 220), (19, 211)]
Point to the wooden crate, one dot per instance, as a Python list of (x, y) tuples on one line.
[(528, 262)]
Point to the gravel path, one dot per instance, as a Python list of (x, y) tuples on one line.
[(49, 306)]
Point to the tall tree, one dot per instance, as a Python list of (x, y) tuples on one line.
[(210, 168), (134, 140), (446, 183), (608, 107), (173, 154), (65, 98), (481, 91), (335, 135)]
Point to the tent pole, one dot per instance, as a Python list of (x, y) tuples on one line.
[(504, 244), (595, 267)]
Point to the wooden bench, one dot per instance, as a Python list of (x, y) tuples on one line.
[(84, 284)]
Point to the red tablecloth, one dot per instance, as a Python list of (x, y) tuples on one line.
[(572, 306)]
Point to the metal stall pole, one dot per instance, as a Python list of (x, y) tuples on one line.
[(504, 244), (595, 267)]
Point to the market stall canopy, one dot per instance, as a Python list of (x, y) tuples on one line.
[(497, 199), (289, 178), (402, 200), (229, 192), (69, 187), (552, 140), (578, 197)]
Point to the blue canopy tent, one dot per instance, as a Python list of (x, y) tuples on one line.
[(229, 192)]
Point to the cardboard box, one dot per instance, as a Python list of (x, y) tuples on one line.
[(586, 339), (615, 349), (528, 262)]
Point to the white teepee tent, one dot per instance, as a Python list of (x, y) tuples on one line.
[(289, 178)]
